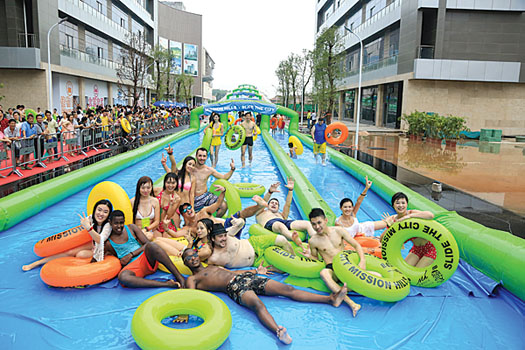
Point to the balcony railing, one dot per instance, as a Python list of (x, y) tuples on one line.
[(99, 15), (425, 51), (26, 40), (386, 10), (385, 62), (85, 57)]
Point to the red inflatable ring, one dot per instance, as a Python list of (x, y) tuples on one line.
[(331, 128)]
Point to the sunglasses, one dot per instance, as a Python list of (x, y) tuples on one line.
[(186, 209), (194, 255)]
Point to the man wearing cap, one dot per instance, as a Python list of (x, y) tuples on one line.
[(273, 220), (319, 139), (232, 252)]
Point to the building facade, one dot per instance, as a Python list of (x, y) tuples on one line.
[(86, 49), (452, 57)]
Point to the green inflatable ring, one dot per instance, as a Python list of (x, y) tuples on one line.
[(447, 252), (240, 139), (392, 286), (231, 196), (293, 264), (248, 190), (150, 333), (257, 230), (30, 111)]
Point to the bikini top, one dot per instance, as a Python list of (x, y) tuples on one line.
[(217, 131), (187, 186), (159, 197), (150, 216)]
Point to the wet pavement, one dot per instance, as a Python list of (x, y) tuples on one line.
[(482, 181)]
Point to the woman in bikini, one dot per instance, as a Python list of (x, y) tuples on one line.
[(146, 209), (217, 131), (185, 190), (98, 228), (169, 200), (423, 253), (348, 219)]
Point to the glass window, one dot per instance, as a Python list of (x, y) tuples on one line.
[(137, 27), (119, 16), (118, 53), (99, 5), (355, 20), (96, 46), (68, 33), (373, 7), (373, 51), (393, 46)]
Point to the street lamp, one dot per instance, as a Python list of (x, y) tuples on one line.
[(49, 81), (358, 91)]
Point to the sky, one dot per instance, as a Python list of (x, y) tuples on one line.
[(247, 39)]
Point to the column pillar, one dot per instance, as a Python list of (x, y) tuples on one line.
[(341, 105), (380, 105), (81, 93)]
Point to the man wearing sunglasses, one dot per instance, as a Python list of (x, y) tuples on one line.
[(244, 287), (138, 256)]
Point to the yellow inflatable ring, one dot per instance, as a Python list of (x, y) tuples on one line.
[(257, 132), (150, 333), (115, 194), (125, 125), (177, 261), (248, 190), (447, 252), (297, 144), (231, 119), (391, 286)]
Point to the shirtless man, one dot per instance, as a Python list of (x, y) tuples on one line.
[(328, 241), (249, 127), (232, 252), (201, 174), (273, 220), (243, 287), (138, 256)]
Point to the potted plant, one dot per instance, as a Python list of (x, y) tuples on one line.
[(452, 126)]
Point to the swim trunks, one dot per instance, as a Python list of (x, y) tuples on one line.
[(319, 148), (204, 200), (329, 266), (141, 266), (228, 223), (248, 141), (269, 223), (427, 250), (259, 244), (244, 282)]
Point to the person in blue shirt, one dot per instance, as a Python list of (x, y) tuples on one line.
[(319, 139), (138, 256), (28, 132)]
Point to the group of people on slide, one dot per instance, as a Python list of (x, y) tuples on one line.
[(185, 207)]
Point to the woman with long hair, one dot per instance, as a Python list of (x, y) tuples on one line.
[(98, 228), (217, 129), (146, 208), (186, 189), (169, 200)]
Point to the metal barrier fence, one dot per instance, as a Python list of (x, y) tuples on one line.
[(22, 153)]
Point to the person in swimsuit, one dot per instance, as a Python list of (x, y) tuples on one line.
[(202, 173), (146, 208), (217, 132), (138, 256), (98, 228), (168, 200), (349, 221), (273, 220), (282, 124), (249, 126), (422, 253), (328, 242), (273, 124), (292, 150), (201, 243), (243, 287)]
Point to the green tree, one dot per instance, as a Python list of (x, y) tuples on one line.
[(161, 61), (327, 68), (218, 93), (184, 85)]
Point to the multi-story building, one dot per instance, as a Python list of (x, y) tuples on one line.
[(181, 31), (452, 57), (208, 64), (86, 48)]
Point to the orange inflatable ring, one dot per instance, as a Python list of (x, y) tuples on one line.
[(176, 122), (273, 123), (331, 128), (62, 242), (370, 245), (240, 120), (282, 123), (76, 272)]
